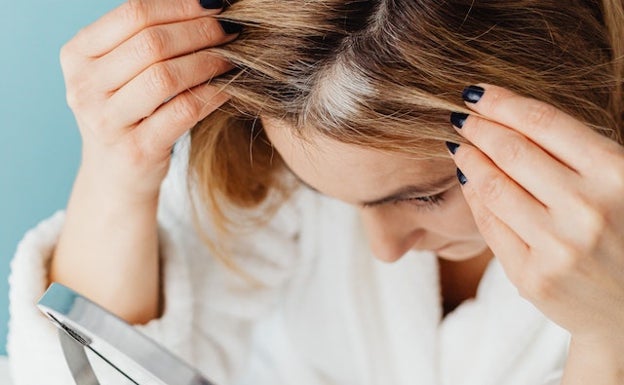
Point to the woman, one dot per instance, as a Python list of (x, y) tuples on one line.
[(507, 240)]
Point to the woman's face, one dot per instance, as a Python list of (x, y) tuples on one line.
[(405, 204)]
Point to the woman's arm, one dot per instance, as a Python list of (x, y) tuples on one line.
[(132, 93), (108, 249)]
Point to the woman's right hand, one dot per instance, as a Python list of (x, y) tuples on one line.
[(136, 81)]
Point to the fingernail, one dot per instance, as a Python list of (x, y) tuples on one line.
[(458, 119), (230, 27), (472, 94), (211, 4), (452, 147), (461, 177)]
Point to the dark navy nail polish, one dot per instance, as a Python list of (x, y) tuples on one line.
[(472, 94), (230, 27), (452, 147), (461, 177), (458, 119), (211, 4)]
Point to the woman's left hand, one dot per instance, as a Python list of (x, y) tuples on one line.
[(547, 193)]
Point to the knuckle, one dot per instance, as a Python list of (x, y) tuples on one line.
[(484, 220), (77, 93), (185, 111), (208, 31), (538, 116), (511, 149), (162, 79), (564, 254), (80, 37), (136, 11), (595, 226), (152, 43), (592, 223), (595, 220), (187, 7), (541, 285), (103, 122), (567, 259), (65, 54), (616, 178), (617, 181), (524, 284), (72, 99), (492, 188)]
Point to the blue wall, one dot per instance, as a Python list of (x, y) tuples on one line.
[(39, 140)]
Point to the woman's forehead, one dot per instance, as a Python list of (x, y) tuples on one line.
[(350, 172)]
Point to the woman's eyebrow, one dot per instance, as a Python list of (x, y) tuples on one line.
[(410, 191)]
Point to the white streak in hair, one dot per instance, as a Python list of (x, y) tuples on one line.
[(339, 93)]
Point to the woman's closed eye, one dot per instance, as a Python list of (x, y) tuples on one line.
[(428, 202)]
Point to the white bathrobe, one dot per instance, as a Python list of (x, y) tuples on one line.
[(328, 314)]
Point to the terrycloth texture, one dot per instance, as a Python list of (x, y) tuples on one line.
[(328, 314), (4, 371)]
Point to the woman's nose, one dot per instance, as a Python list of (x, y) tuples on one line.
[(390, 235)]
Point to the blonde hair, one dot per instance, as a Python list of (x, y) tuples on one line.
[(386, 73)]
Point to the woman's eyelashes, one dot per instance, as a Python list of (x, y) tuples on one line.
[(428, 202), (421, 202)]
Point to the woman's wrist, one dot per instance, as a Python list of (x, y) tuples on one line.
[(596, 360), (113, 185), (108, 248)]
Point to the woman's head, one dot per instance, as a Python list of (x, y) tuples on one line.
[(405, 203), (383, 76)]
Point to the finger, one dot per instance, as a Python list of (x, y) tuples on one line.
[(559, 134), (160, 131), (128, 19), (503, 197), (508, 248), (523, 161), (162, 81), (155, 44)]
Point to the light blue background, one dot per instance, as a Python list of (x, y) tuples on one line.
[(39, 140)]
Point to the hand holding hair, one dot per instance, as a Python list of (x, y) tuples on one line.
[(120, 69), (136, 80), (546, 193)]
